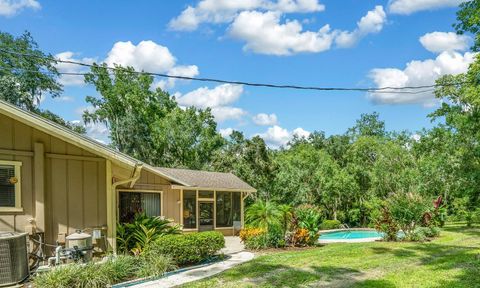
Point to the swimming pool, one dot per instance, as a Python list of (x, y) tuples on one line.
[(350, 236)]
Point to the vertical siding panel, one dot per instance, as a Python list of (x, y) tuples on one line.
[(59, 196), (59, 192), (75, 195), (6, 133), (102, 195), (90, 193)]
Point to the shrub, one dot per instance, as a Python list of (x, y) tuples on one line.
[(250, 232), (385, 223), (188, 248), (429, 232), (416, 236), (407, 210), (256, 242), (114, 270), (330, 224), (134, 237), (300, 237)]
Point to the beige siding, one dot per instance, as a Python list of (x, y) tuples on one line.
[(171, 198), (74, 188)]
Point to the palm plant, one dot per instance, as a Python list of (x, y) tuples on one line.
[(263, 214), (286, 212), (135, 236)]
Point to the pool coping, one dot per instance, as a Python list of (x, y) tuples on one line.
[(360, 240)]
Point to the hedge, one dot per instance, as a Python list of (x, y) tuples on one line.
[(189, 248), (330, 224)]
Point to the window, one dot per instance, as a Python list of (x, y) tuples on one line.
[(228, 208), (10, 185), (190, 209), (132, 203)]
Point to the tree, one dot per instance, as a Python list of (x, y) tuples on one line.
[(24, 80), (35, 75), (468, 21), (148, 124), (368, 125), (249, 159)]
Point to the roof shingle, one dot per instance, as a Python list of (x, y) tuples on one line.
[(206, 179)]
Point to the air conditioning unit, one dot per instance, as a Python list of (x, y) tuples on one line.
[(13, 258)]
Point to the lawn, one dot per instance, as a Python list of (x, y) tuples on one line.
[(452, 260)]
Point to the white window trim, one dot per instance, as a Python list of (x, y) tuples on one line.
[(18, 186), (140, 191)]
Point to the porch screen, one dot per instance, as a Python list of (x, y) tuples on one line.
[(132, 203), (190, 209), (228, 208)]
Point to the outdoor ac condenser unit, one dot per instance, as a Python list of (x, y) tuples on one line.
[(13, 258)]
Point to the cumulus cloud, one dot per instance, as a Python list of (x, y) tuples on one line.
[(264, 119), (372, 22), (72, 80), (438, 42), (219, 98), (12, 7), (421, 72), (226, 132), (411, 6), (263, 33), (224, 11), (277, 136), (145, 56)]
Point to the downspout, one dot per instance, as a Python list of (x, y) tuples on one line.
[(132, 180)]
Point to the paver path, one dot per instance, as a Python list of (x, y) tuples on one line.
[(198, 273), (233, 248)]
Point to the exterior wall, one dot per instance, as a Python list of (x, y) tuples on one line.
[(71, 183), (171, 197)]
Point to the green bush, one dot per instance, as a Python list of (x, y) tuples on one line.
[(407, 210), (188, 248), (429, 232), (330, 224), (134, 237), (417, 236), (114, 270)]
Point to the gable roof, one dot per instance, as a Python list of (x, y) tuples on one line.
[(184, 177), (207, 179), (51, 128)]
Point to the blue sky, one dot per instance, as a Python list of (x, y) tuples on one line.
[(366, 44)]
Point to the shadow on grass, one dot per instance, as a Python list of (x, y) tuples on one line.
[(278, 275)]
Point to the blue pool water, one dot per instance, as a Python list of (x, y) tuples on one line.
[(350, 234)]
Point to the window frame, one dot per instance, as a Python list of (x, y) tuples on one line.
[(18, 186), (139, 191)]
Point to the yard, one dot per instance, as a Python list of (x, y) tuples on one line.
[(452, 260)]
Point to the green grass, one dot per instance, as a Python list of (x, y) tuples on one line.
[(452, 260)]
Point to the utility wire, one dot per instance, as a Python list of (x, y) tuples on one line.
[(253, 84)]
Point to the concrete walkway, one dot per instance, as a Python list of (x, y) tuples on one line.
[(233, 248)]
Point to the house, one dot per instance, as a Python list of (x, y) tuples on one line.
[(54, 181)]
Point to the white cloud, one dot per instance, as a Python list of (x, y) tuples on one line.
[(418, 73), (228, 113), (224, 11), (264, 119), (219, 99), (277, 136), (64, 98), (226, 132), (72, 80), (411, 6), (263, 33), (438, 42), (12, 7), (372, 22), (300, 132), (204, 97)]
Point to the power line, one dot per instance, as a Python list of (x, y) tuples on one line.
[(253, 84)]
